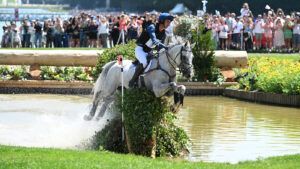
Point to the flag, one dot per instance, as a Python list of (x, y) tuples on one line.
[(120, 59)]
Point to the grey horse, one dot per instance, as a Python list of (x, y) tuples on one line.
[(160, 77)]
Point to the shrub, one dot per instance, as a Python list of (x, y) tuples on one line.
[(127, 50), (271, 75), (66, 73), (147, 119), (109, 138), (14, 73), (204, 60)]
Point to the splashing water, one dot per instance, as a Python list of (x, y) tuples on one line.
[(46, 121)]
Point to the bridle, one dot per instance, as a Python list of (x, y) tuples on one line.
[(173, 63), (183, 62)]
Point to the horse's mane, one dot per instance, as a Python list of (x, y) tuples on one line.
[(171, 46)]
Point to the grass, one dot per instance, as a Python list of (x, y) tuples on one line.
[(18, 157), (278, 56)]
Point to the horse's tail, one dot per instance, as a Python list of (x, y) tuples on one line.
[(99, 85)]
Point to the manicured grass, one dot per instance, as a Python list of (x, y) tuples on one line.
[(276, 55), (18, 157)]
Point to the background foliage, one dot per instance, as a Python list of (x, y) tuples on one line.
[(14, 73), (66, 73), (204, 60), (274, 75), (111, 54)]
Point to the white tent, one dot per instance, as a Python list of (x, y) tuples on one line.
[(180, 9)]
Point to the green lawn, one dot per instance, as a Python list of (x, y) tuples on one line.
[(32, 158), (279, 55)]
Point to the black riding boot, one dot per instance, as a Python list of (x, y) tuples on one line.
[(138, 70)]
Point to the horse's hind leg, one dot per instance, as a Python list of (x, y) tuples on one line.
[(94, 107), (104, 106)]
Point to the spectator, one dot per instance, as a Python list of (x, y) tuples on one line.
[(93, 33), (288, 32), (38, 34), (83, 30), (237, 30), (296, 34), (6, 38), (32, 34), (133, 28), (259, 31), (229, 21), (75, 29), (248, 36), (223, 34), (115, 31), (103, 32), (245, 11), (215, 30), (25, 34), (269, 33), (58, 27), (278, 34), (50, 30), (15, 37)]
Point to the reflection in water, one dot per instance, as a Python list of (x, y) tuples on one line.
[(221, 129), (227, 130)]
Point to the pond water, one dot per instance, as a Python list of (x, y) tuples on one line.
[(228, 130), (221, 129)]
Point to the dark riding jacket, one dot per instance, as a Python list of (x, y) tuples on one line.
[(150, 37)]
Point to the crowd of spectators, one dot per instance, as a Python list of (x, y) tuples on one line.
[(84, 30), (270, 31)]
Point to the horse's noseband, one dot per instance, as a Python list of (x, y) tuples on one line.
[(184, 62)]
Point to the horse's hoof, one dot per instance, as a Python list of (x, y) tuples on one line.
[(87, 117), (175, 108)]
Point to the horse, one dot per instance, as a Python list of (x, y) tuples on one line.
[(159, 76)]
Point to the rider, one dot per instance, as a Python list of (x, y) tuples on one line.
[(152, 36)]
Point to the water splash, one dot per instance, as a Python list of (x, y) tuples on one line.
[(49, 122)]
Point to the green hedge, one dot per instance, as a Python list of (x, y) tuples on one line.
[(148, 122), (204, 60), (110, 54)]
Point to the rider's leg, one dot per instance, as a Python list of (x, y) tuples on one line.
[(142, 58)]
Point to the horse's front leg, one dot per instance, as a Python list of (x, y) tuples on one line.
[(160, 89), (179, 92)]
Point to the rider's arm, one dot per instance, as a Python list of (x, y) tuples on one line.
[(151, 33)]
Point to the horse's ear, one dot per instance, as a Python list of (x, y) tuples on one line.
[(187, 44)]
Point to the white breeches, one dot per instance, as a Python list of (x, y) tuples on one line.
[(141, 55)]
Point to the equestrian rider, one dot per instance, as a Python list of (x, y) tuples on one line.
[(152, 36)]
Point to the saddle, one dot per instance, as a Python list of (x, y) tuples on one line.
[(150, 56), (139, 70)]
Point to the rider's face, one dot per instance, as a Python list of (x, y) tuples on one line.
[(167, 23)]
